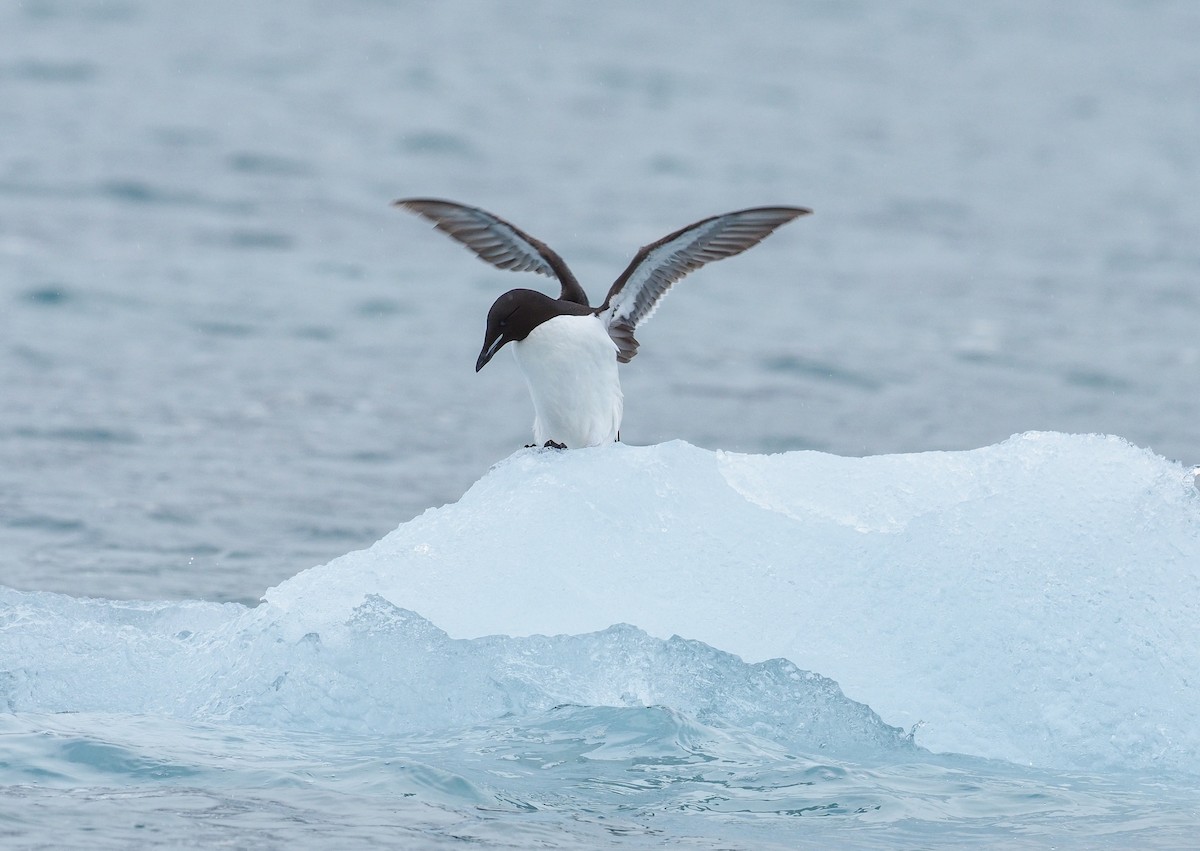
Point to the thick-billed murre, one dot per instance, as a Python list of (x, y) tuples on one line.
[(567, 350)]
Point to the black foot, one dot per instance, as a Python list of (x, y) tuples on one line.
[(552, 444)]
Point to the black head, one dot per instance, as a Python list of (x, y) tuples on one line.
[(515, 314)]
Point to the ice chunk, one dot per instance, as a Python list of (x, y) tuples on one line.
[(1035, 600)]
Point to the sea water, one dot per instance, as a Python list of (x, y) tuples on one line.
[(224, 360)]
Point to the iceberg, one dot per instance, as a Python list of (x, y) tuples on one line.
[(1035, 601)]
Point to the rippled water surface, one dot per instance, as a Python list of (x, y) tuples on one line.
[(575, 777), (224, 358)]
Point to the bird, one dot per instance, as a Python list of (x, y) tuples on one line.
[(567, 350)]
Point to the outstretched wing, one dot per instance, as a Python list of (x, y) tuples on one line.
[(496, 241), (636, 294)]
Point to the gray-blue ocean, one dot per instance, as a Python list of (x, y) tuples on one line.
[(224, 359)]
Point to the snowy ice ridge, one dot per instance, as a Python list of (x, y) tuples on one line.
[(1035, 601)]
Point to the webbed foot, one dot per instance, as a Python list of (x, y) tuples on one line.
[(553, 444)]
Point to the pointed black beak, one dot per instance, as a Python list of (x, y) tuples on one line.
[(489, 349)]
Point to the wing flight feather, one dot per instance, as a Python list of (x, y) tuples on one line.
[(496, 241), (637, 293)]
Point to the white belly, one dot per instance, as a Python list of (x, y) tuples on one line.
[(570, 365)]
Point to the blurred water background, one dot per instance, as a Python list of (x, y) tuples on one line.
[(224, 358)]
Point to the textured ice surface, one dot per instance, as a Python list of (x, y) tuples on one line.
[(1035, 601), (386, 670)]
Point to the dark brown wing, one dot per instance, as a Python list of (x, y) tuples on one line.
[(496, 241), (636, 294)]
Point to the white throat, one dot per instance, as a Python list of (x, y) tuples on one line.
[(570, 366)]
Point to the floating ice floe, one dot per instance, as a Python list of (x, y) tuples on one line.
[(1036, 601)]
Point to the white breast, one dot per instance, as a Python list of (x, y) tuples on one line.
[(570, 365)]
